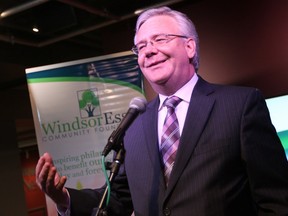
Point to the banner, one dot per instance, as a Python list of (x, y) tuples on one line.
[(76, 106)]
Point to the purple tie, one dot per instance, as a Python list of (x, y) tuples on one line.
[(170, 137)]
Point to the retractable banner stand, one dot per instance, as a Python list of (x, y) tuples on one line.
[(76, 106)]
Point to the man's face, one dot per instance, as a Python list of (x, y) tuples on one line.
[(165, 66)]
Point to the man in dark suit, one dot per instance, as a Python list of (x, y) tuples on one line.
[(228, 159)]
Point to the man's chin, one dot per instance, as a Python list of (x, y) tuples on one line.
[(160, 82)]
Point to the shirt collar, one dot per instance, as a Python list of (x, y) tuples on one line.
[(184, 92)]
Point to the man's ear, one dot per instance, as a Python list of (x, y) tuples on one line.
[(190, 47)]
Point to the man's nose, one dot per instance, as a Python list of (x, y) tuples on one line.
[(150, 48)]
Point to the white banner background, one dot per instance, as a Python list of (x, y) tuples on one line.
[(61, 95)]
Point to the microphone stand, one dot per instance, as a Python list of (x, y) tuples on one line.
[(114, 169)]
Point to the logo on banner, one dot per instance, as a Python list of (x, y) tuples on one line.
[(89, 119), (89, 104)]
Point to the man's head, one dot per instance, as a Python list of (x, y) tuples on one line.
[(167, 46)]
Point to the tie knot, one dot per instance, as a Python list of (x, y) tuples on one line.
[(172, 102)]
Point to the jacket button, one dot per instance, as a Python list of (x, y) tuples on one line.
[(166, 211)]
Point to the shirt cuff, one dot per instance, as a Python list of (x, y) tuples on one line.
[(62, 211)]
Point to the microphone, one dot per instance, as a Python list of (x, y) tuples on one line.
[(137, 105)]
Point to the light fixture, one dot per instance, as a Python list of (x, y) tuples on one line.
[(35, 29), (21, 8)]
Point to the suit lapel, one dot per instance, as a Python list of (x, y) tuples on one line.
[(150, 127), (198, 113), (151, 135)]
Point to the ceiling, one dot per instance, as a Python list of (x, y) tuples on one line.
[(59, 20), (68, 30)]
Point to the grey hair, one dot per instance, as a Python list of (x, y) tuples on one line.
[(186, 26)]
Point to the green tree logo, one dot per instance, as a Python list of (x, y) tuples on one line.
[(89, 103)]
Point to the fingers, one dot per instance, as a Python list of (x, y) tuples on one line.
[(49, 180), (49, 184), (42, 177), (48, 158), (39, 166), (61, 183), (54, 180), (45, 173), (42, 160), (41, 173), (56, 190)]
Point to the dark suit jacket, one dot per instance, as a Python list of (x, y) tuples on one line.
[(229, 161)]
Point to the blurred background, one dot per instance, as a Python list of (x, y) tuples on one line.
[(241, 43)]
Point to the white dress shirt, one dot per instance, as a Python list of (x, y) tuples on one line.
[(181, 110)]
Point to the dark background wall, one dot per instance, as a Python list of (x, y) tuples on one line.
[(241, 43)]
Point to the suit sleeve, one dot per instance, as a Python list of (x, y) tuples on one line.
[(264, 158)]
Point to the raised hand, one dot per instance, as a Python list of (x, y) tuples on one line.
[(50, 181)]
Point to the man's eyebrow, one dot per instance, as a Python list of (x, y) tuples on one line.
[(152, 37)]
